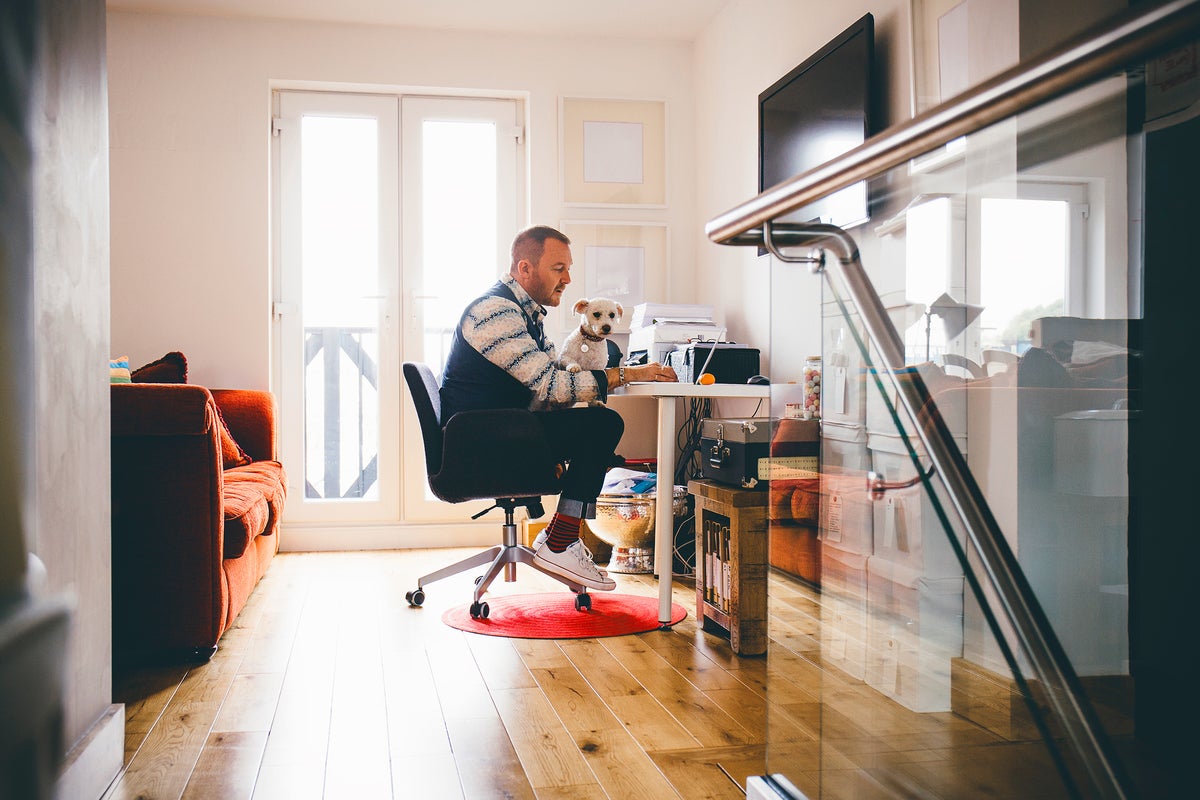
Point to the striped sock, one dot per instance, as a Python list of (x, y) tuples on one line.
[(562, 532)]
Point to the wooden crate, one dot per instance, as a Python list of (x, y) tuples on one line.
[(731, 563)]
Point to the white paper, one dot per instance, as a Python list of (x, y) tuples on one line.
[(837, 391), (612, 152)]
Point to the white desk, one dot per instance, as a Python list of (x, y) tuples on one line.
[(664, 507)]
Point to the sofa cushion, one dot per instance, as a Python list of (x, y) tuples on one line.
[(232, 454), (171, 368), (253, 501), (118, 369)]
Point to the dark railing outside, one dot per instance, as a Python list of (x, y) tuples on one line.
[(329, 350)]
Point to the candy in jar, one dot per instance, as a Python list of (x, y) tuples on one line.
[(812, 387)]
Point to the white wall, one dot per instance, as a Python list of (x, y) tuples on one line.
[(189, 119), (748, 47)]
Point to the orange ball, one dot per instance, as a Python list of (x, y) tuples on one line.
[(707, 379)]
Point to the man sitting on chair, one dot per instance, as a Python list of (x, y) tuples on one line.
[(500, 358)]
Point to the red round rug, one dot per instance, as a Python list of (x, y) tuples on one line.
[(553, 616)]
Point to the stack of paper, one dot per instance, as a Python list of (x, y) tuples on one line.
[(647, 314)]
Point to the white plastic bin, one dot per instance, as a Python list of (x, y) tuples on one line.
[(906, 528), (914, 629), (843, 384), (844, 610)]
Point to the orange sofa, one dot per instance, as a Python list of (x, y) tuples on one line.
[(197, 497)]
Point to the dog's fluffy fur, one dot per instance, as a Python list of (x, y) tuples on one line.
[(586, 346)]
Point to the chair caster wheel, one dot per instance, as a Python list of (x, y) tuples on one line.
[(415, 598), (583, 602), (479, 610)]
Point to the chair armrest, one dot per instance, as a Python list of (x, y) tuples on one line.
[(252, 420)]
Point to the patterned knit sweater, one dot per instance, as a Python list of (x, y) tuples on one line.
[(499, 347)]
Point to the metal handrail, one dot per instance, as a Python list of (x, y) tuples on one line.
[(1130, 37)]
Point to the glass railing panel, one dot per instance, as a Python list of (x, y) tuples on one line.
[(1011, 266)]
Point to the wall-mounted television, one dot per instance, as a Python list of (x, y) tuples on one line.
[(817, 112)]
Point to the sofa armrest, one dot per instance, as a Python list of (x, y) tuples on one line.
[(252, 420), (161, 409), (167, 519)]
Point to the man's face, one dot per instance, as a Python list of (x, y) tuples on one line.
[(546, 280)]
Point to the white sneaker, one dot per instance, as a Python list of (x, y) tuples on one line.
[(576, 564), (541, 538)]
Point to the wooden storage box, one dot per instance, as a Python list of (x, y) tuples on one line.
[(731, 563)]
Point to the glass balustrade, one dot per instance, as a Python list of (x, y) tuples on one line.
[(1038, 278)]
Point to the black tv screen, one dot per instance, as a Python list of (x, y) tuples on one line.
[(816, 112)]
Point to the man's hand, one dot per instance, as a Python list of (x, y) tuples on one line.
[(650, 372)]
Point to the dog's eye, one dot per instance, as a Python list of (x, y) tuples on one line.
[(596, 314)]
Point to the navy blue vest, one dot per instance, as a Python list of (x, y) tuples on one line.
[(471, 382)]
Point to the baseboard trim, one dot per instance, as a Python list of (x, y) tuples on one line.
[(315, 537), (96, 760)]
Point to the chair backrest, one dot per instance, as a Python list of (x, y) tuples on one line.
[(423, 387)]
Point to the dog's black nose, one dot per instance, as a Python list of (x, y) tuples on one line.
[(606, 328)]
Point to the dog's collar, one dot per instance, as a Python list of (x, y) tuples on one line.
[(591, 337)]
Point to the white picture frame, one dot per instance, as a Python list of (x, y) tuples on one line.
[(623, 261), (613, 152)]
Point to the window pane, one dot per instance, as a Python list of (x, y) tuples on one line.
[(1024, 265), (459, 216), (340, 268)]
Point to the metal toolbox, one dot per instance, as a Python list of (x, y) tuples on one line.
[(736, 452)]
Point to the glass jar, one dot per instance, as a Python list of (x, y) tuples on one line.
[(812, 387)]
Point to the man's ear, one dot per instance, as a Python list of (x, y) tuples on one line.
[(580, 305)]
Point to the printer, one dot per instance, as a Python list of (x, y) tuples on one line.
[(656, 329)]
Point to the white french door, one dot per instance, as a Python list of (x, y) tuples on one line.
[(460, 190), (391, 213)]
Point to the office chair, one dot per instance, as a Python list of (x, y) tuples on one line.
[(514, 469), (972, 369)]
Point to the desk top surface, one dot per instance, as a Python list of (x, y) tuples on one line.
[(678, 389)]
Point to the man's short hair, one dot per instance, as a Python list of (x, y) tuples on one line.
[(531, 242)]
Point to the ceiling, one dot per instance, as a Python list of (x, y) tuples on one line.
[(681, 20)]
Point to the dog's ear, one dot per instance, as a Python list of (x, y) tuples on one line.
[(580, 305), (620, 311)]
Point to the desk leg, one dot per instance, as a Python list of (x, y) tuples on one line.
[(664, 508)]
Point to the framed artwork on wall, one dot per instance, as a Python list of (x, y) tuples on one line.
[(623, 261), (613, 152)]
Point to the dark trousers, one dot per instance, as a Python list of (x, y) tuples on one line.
[(586, 439)]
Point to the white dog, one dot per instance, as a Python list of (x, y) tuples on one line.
[(586, 346)]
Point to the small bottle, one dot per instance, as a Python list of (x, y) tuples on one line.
[(812, 387)]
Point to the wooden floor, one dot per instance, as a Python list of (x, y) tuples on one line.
[(330, 686)]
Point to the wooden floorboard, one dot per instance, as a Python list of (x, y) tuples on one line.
[(330, 686)]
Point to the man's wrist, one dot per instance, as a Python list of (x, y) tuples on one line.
[(620, 376)]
